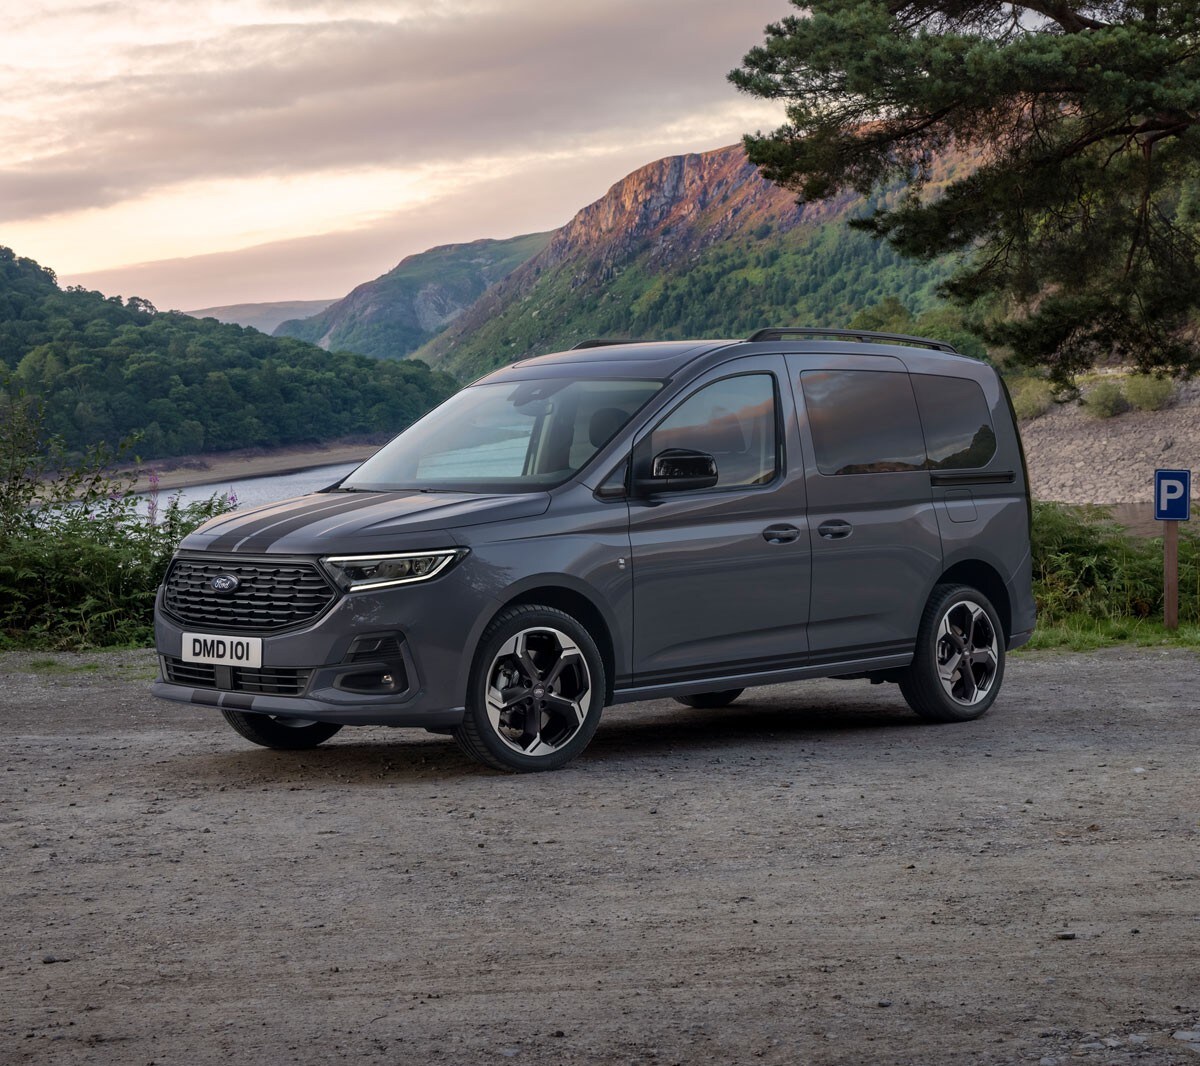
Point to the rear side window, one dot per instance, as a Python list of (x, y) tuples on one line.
[(958, 426), (863, 421)]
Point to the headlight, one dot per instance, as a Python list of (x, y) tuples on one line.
[(354, 573)]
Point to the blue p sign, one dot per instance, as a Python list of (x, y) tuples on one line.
[(1172, 495)]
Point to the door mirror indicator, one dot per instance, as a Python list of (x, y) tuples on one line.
[(678, 470)]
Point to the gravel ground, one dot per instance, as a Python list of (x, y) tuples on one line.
[(809, 876)]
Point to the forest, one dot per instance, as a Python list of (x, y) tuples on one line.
[(104, 369)]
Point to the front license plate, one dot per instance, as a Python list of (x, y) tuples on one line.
[(222, 651)]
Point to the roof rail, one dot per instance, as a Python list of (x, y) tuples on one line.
[(862, 336), (599, 342)]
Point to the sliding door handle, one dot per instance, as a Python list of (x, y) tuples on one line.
[(835, 529)]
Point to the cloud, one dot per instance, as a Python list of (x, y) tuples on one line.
[(288, 87), (329, 264)]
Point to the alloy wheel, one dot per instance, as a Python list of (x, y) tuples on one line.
[(539, 691), (968, 655)]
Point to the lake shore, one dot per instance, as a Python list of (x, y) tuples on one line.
[(188, 471)]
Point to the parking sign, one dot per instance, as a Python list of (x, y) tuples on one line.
[(1172, 495)]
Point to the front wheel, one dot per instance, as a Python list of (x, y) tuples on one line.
[(285, 734), (958, 667), (535, 691)]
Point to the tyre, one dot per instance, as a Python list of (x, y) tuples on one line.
[(285, 734), (706, 700), (535, 691), (958, 667)]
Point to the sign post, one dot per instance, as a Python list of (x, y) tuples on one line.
[(1172, 505)]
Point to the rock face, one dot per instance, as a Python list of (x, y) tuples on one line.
[(397, 312), (661, 214), (668, 203)]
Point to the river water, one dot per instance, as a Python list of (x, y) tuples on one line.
[(251, 492)]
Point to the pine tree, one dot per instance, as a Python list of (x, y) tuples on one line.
[(1079, 122)]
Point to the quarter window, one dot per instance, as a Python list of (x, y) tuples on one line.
[(863, 421), (734, 421), (958, 428)]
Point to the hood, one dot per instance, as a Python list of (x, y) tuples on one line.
[(340, 522)]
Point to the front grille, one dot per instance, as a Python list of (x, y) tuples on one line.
[(270, 595), (269, 681)]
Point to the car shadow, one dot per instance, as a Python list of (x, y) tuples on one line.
[(628, 734)]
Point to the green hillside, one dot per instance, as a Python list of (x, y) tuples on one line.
[(104, 369), (396, 313), (803, 277)]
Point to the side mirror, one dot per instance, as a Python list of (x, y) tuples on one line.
[(679, 469)]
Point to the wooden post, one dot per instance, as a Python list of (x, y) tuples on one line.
[(1171, 574)]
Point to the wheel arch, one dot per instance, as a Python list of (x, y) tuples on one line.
[(986, 578), (584, 610)]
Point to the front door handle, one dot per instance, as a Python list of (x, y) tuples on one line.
[(780, 534), (835, 529)]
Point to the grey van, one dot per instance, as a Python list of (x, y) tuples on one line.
[(625, 522)]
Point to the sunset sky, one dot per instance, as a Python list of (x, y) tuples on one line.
[(225, 151)]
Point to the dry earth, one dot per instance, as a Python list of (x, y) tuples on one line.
[(810, 876), (1075, 457)]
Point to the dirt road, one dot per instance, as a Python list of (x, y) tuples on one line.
[(810, 876)]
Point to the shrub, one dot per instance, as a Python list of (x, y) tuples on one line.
[(1149, 393), (1084, 563), (1031, 397), (78, 565), (1106, 399)]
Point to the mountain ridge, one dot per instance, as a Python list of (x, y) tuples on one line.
[(698, 244), (392, 315)]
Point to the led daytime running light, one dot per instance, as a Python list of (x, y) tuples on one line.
[(358, 573)]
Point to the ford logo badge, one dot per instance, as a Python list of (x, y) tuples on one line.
[(224, 584)]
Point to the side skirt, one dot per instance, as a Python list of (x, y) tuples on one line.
[(635, 693)]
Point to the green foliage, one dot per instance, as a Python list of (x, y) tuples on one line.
[(1086, 565), (810, 275), (1106, 399), (382, 318), (1079, 632), (107, 370), (1080, 120), (78, 566), (1149, 393), (1032, 397)]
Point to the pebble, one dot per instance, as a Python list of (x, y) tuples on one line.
[(1064, 936)]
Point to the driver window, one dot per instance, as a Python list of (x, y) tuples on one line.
[(734, 421)]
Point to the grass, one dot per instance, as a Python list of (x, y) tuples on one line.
[(1084, 633)]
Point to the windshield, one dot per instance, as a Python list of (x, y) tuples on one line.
[(505, 437)]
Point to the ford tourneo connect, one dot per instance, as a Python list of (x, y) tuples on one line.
[(626, 522)]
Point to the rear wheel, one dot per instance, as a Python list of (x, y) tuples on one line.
[(535, 691), (706, 700), (287, 734), (958, 667)]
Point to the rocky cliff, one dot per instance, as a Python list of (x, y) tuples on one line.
[(696, 244)]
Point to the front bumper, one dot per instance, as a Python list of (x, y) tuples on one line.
[(309, 672)]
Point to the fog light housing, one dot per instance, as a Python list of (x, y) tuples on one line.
[(375, 682)]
